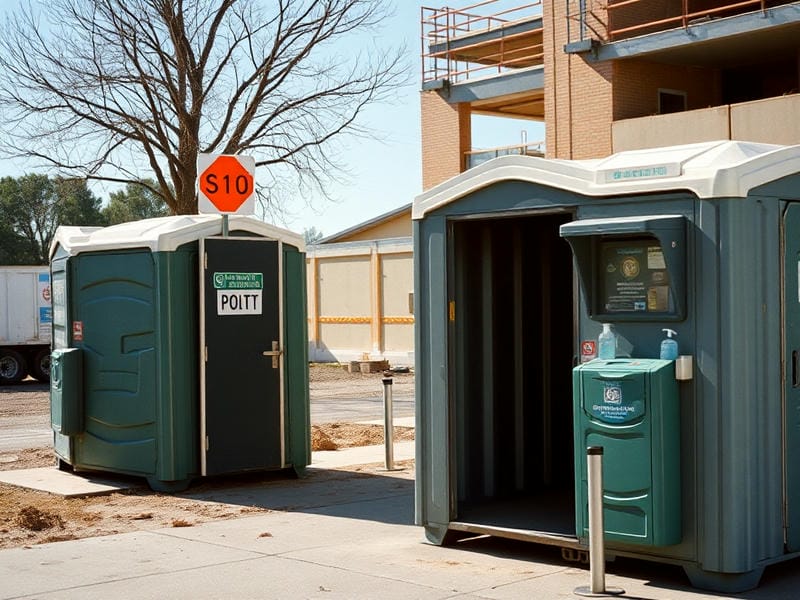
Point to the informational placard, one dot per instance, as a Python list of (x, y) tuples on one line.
[(45, 306), (614, 406), (239, 293), (635, 277)]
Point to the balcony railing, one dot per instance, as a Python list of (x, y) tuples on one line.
[(621, 19), (473, 158), (441, 27)]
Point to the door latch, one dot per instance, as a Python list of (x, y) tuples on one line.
[(274, 353)]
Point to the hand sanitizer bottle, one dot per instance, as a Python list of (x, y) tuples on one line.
[(607, 343), (669, 347)]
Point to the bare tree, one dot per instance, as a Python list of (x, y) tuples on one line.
[(120, 90)]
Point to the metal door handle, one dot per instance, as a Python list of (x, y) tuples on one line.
[(274, 353)]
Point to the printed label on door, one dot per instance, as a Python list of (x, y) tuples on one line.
[(238, 302)]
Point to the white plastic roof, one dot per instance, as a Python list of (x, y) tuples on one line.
[(724, 169), (164, 234)]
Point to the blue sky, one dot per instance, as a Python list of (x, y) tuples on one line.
[(382, 173), (387, 174)]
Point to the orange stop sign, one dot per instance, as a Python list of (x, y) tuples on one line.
[(226, 183)]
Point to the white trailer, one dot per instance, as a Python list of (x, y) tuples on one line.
[(25, 323)]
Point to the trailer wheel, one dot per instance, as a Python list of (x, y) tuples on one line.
[(12, 367), (40, 366)]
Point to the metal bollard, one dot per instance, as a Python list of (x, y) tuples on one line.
[(597, 559), (388, 423)]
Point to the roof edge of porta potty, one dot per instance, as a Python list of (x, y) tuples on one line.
[(163, 234), (721, 169)]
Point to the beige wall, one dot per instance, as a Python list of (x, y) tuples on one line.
[(397, 227), (341, 285), (772, 121), (397, 271), (358, 301), (670, 130)]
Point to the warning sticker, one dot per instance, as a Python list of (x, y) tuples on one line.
[(77, 331), (588, 350)]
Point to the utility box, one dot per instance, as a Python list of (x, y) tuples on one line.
[(631, 408), (66, 391), (193, 349)]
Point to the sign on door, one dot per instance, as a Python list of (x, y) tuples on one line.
[(239, 293)]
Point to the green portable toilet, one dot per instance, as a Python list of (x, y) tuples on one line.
[(519, 262), (177, 352)]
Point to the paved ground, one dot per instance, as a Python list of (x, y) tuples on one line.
[(25, 409), (333, 537), (345, 537)]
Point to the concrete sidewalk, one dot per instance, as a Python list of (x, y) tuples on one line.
[(334, 534)]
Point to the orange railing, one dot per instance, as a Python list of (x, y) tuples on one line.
[(684, 19), (442, 26), (626, 18)]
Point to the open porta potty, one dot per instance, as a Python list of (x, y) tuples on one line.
[(519, 262), (178, 352)]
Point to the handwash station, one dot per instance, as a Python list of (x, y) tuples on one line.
[(690, 255)]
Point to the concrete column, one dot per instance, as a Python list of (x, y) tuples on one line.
[(376, 295), (313, 301)]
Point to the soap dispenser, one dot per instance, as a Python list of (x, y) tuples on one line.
[(669, 346), (607, 343)]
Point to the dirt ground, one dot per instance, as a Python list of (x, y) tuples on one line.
[(29, 517)]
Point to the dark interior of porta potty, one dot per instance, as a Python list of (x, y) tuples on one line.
[(511, 359)]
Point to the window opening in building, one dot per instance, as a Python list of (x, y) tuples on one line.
[(671, 101)]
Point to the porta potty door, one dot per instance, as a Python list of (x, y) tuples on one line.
[(241, 406)]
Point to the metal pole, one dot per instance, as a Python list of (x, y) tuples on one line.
[(597, 559), (225, 225), (388, 423)]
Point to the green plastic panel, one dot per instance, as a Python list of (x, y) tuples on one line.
[(66, 391), (112, 299), (298, 414), (630, 408), (177, 346)]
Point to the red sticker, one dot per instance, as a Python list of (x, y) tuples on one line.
[(588, 350), (77, 331)]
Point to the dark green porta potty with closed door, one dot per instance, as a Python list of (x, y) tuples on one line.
[(135, 302)]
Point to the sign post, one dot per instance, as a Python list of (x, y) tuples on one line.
[(225, 185)]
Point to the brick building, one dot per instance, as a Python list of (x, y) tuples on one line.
[(606, 77)]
